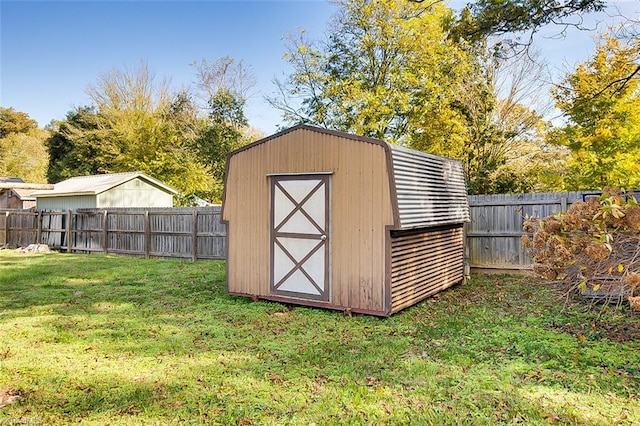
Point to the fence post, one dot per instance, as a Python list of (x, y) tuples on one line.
[(39, 231), (105, 242), (67, 231), (563, 204), (147, 235), (6, 228), (194, 244)]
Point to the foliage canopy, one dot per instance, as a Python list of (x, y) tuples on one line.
[(603, 110)]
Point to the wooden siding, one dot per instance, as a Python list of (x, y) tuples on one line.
[(10, 200), (360, 210), (424, 263), (430, 189), (493, 236)]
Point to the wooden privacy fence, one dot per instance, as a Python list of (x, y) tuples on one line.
[(493, 236), (188, 233)]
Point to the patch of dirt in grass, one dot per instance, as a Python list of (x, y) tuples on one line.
[(619, 332), (8, 396)]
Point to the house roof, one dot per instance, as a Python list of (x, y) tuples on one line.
[(25, 194), (25, 185), (8, 179), (97, 184)]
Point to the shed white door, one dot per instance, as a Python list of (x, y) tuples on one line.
[(300, 236)]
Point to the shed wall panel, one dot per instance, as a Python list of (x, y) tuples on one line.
[(431, 190), (360, 210), (424, 263)]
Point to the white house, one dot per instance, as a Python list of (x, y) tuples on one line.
[(132, 189)]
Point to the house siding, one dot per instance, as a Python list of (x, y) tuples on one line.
[(134, 193), (73, 202), (10, 200)]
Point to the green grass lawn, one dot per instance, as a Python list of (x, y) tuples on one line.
[(113, 340)]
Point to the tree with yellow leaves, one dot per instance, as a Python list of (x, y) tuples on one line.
[(601, 100)]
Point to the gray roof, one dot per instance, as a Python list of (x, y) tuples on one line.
[(97, 184), (8, 179)]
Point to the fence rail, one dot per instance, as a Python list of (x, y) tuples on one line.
[(189, 233), (493, 235)]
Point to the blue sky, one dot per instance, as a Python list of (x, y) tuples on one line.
[(50, 51)]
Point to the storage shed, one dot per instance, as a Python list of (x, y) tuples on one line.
[(323, 218), (131, 189)]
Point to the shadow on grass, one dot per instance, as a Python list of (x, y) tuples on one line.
[(187, 350)]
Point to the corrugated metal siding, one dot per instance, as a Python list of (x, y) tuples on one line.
[(424, 263), (66, 203), (430, 190)]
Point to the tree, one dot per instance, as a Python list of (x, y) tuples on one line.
[(133, 124), (385, 70), (602, 106), (506, 150), (136, 123), (79, 145), (505, 17), (520, 20), (22, 150), (222, 134), (225, 84), (389, 71), (226, 74), (13, 122)]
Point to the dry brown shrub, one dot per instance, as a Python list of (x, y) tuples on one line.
[(632, 217), (586, 210), (632, 280), (634, 301), (563, 254), (540, 239), (545, 271), (596, 251), (572, 221), (571, 246), (530, 225), (613, 191), (580, 242), (552, 226)]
